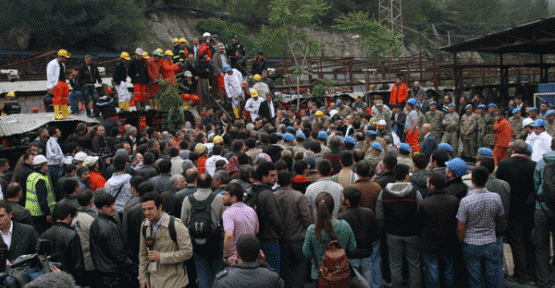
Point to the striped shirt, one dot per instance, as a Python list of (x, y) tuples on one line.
[(478, 211)]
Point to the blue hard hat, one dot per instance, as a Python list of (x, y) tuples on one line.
[(467, 106), (445, 147), (412, 102), (338, 102), (492, 105), (291, 128), (485, 152), (405, 147), (377, 146), (452, 105), (549, 113), (433, 103), (300, 135), (350, 139), (371, 132), (482, 106), (323, 108), (279, 134), (227, 68), (323, 135), (533, 109), (516, 110), (288, 137), (539, 123), (457, 165)]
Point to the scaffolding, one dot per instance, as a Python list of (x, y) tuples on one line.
[(391, 15)]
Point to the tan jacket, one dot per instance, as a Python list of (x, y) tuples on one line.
[(170, 271)]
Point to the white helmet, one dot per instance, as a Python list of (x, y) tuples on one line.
[(39, 159), (206, 34), (80, 156), (526, 122)]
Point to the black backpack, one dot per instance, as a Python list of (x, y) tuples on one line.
[(203, 227), (548, 186), (173, 235)]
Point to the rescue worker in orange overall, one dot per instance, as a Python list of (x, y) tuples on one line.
[(56, 84), (411, 126), (503, 135), (154, 71), (399, 92), (169, 68), (137, 72)]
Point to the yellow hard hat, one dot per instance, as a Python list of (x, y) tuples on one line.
[(63, 53), (168, 52), (159, 51), (175, 40), (254, 93), (257, 77), (10, 94), (125, 55), (145, 55), (182, 40), (217, 138), (319, 113)]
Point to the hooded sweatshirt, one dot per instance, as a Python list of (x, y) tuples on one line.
[(113, 185), (538, 177), (397, 209)]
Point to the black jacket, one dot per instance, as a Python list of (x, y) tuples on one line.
[(257, 67), (24, 240), (385, 179), (137, 71), (263, 200), (146, 172), (87, 76), (120, 73), (21, 214), (365, 228), (251, 275), (241, 65), (20, 175), (438, 219), (264, 110), (519, 173), (456, 187), (108, 250), (66, 247), (161, 183), (132, 229), (107, 106)]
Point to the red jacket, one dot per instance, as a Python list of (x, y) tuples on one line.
[(153, 69), (169, 69), (503, 133), (205, 48), (399, 94)]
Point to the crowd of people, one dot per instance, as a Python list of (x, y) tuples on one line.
[(260, 201)]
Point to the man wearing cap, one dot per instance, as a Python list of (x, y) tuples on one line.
[(120, 82), (374, 155), (138, 74), (235, 45), (539, 140), (435, 117), (342, 109), (56, 84), (253, 104), (533, 113), (489, 132), (451, 125), (96, 180), (481, 125), (232, 80), (399, 91), (169, 69), (40, 198), (454, 171), (550, 123), (516, 124), (178, 51), (220, 60), (260, 86), (359, 105), (503, 136), (404, 158), (89, 75), (381, 112), (411, 125), (11, 106), (468, 132), (154, 72), (421, 121)]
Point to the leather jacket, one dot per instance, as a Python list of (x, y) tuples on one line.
[(66, 247), (108, 250)]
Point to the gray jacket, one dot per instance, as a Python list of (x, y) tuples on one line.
[(252, 275)]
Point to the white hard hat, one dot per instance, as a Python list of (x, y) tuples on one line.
[(139, 51), (80, 156), (90, 160), (527, 121), (39, 159), (188, 74), (382, 123), (206, 34)]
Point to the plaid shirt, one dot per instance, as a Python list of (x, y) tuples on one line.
[(478, 211)]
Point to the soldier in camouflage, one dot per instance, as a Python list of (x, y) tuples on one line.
[(469, 122), (516, 123), (451, 125), (434, 117), (421, 121), (550, 123), (489, 133), (481, 125)]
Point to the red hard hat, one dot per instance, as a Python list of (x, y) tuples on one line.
[(35, 110), (244, 84), (187, 97), (195, 99), (110, 91)]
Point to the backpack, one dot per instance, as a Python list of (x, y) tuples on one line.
[(203, 226), (335, 270), (548, 186), (173, 235)]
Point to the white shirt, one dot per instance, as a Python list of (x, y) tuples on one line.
[(211, 164), (54, 153), (8, 238), (253, 105), (224, 59), (272, 112), (53, 73), (540, 144)]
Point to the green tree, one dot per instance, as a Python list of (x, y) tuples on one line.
[(374, 39)]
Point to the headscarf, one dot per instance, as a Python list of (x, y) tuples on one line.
[(233, 165)]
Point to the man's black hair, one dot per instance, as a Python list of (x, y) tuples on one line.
[(174, 152), (235, 189), (438, 180), (52, 130), (136, 181), (363, 169), (324, 167), (145, 187), (152, 196), (248, 247), (103, 199), (346, 158), (69, 185), (400, 172), (480, 176), (315, 146), (440, 157), (284, 178), (264, 169), (389, 162), (300, 167), (84, 197), (352, 194), (420, 160), (487, 162), (217, 149), (165, 166), (119, 163), (63, 210), (148, 158), (6, 205), (204, 180)]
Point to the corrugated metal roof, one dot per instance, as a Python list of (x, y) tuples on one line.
[(21, 123)]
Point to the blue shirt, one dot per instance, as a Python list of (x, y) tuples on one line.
[(478, 211)]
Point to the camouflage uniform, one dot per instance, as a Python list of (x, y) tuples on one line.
[(298, 149), (421, 121), (518, 129), (451, 135), (382, 115), (469, 122), (372, 159), (435, 118), (488, 131), (550, 128), (480, 130), (405, 159)]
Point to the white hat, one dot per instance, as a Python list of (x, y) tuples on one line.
[(91, 160), (382, 123), (333, 112), (80, 156), (206, 34), (139, 51), (188, 74), (527, 121), (39, 159), (68, 160)]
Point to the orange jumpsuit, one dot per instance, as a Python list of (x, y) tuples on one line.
[(153, 69), (61, 93), (399, 93), (168, 71), (503, 136)]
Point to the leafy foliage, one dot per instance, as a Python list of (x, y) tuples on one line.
[(170, 101), (374, 39), (320, 87)]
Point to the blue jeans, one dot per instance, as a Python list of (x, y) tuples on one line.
[(543, 224), (437, 265), (370, 267), (73, 98), (28, 274), (109, 125), (399, 247), (483, 264), (56, 173), (207, 269), (89, 93), (272, 253)]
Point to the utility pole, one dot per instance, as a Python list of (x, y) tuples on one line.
[(391, 15)]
